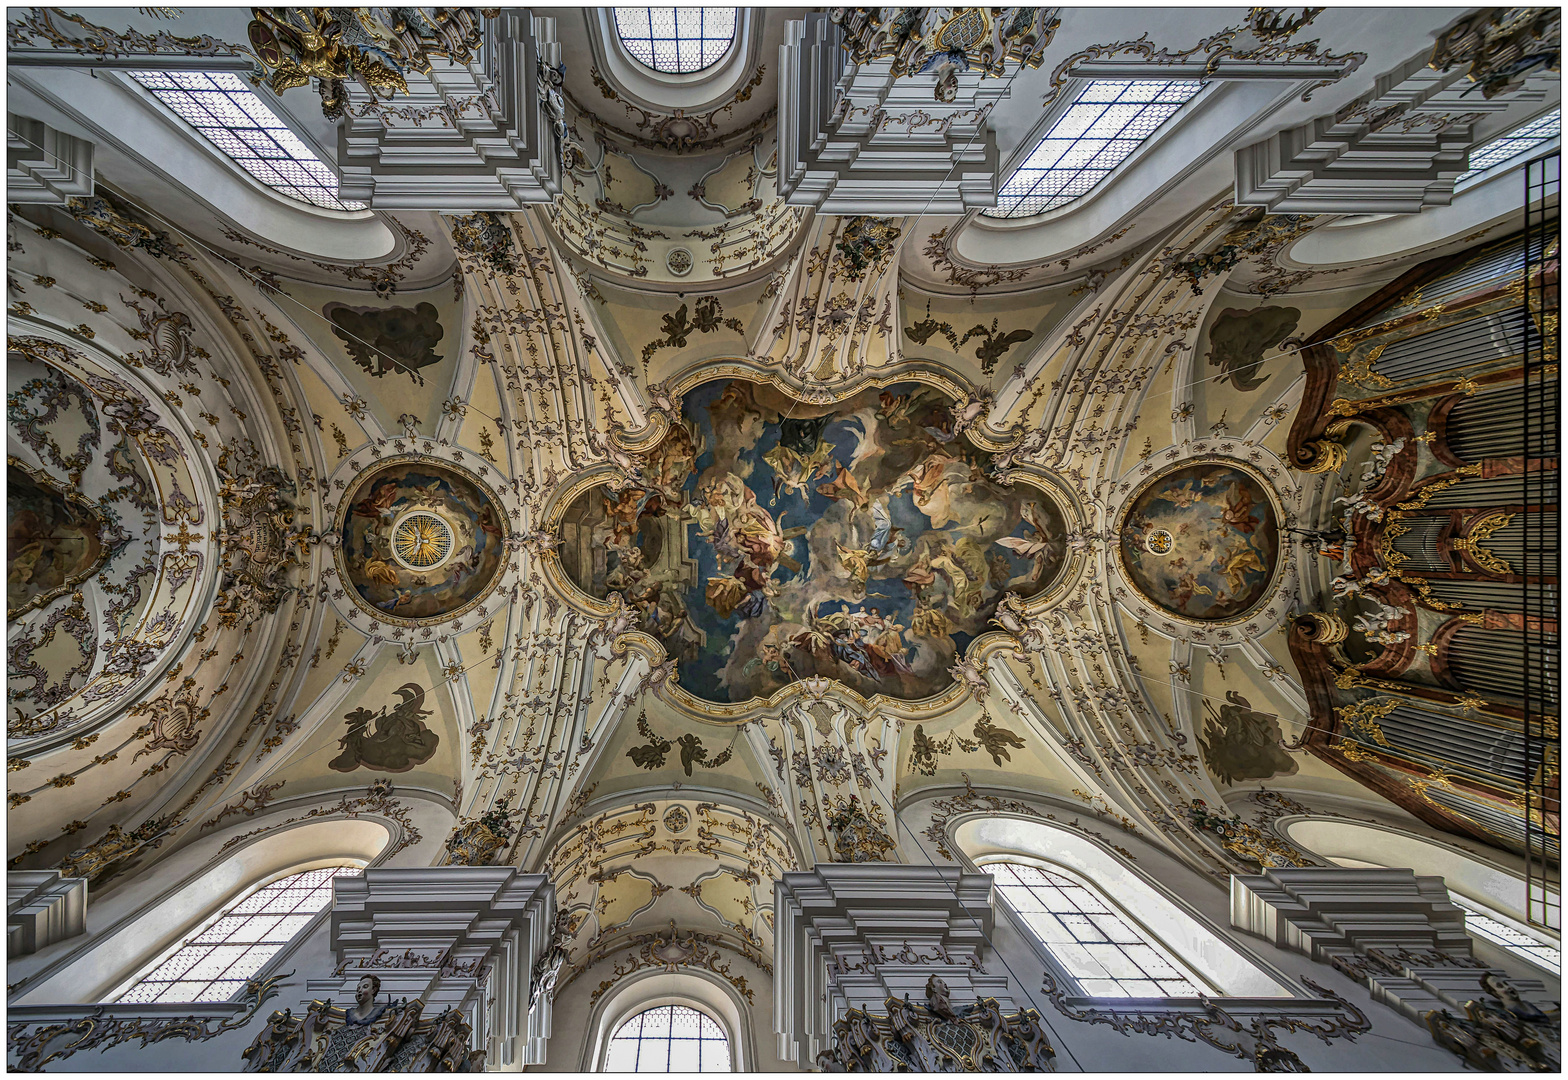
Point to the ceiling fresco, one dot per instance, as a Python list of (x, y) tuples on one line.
[(1202, 541), (705, 509), (770, 540), (420, 541), (54, 539)]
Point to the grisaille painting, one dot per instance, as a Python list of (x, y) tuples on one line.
[(769, 540), (382, 340), (1239, 339), (1240, 743), (1202, 541), (395, 739)]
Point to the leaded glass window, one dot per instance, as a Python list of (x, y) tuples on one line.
[(666, 1039), (1516, 143), (213, 965), (1539, 953), (1105, 953), (231, 117), (676, 40), (1107, 122)]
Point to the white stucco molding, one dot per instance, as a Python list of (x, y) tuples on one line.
[(462, 937), (852, 935)]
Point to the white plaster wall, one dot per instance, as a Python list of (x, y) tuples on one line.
[(579, 1023)]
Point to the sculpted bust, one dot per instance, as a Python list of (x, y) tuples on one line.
[(365, 1011)]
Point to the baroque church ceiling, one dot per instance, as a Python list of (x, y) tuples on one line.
[(648, 531)]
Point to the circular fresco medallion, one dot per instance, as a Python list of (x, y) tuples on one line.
[(421, 541), (1202, 541)]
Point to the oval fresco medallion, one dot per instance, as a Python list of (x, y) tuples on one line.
[(421, 541), (770, 540), (1202, 541)]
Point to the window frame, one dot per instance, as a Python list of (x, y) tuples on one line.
[(1473, 177), (193, 135), (662, 1002), (694, 74), (1043, 949), (1076, 86), (219, 911)]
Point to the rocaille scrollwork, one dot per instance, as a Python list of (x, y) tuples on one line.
[(946, 41), (936, 1036), (391, 1037), (256, 541), (38, 1045)]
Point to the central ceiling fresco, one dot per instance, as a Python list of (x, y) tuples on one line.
[(769, 540)]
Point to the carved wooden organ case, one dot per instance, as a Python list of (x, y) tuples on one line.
[(1438, 521)]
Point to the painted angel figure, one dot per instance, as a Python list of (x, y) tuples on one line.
[(1042, 547)]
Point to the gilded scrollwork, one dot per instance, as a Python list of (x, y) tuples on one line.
[(936, 1036), (946, 42)]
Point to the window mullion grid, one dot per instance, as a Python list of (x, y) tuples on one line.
[(285, 896), (1016, 204), (1115, 941)]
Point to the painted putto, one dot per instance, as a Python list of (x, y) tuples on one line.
[(1202, 541), (420, 541), (768, 540)]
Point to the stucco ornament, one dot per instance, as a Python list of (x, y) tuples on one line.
[(376, 47), (935, 1036), (256, 544), (391, 1037), (1501, 1032), (856, 836), (945, 41)]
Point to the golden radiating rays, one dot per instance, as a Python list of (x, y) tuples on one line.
[(422, 540)]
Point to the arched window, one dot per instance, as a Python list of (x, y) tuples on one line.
[(677, 41), (1106, 123), (231, 117), (668, 1038), (213, 964), (1107, 954)]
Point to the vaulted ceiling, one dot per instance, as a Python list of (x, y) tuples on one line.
[(629, 479)]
